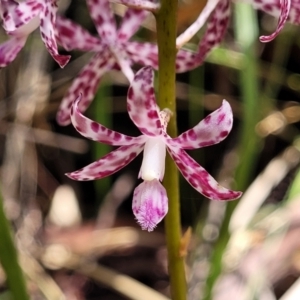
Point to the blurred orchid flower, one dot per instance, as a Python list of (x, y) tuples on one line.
[(150, 202), (113, 50), (20, 19)]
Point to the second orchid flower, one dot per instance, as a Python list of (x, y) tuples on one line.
[(150, 202)]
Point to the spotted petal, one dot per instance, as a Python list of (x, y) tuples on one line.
[(72, 36), (277, 8), (109, 164), (131, 22), (103, 18), (149, 204), (124, 62), (195, 27), (10, 49), (199, 178), (212, 130), (48, 18), (285, 10), (141, 104), (16, 15), (86, 84), (97, 132), (214, 34), (145, 54), (140, 4)]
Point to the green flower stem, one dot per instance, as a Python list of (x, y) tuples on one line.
[(9, 259), (249, 147), (166, 36), (101, 110)]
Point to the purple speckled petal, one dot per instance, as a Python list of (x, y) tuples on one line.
[(103, 18), (16, 15), (212, 130), (199, 178), (131, 22), (109, 164), (72, 36), (48, 19), (86, 84), (285, 10), (149, 204), (145, 54), (141, 104), (123, 61), (195, 27), (276, 8), (186, 60), (97, 132), (140, 4), (10, 49), (214, 34)]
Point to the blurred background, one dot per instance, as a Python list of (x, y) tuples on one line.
[(79, 240)]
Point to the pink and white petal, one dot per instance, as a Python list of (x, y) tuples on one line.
[(123, 62), (109, 164), (72, 36), (15, 15), (195, 27), (149, 204), (212, 130), (199, 178), (145, 54), (10, 49), (285, 10), (214, 34), (186, 60), (141, 103), (104, 20), (131, 23), (273, 7), (97, 132), (85, 84), (139, 4), (48, 20)]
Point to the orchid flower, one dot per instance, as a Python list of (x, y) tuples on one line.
[(20, 19), (150, 202), (111, 51)]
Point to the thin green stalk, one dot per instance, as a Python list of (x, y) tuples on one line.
[(246, 35), (101, 110), (9, 259), (166, 36)]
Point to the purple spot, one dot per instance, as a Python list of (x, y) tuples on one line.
[(192, 135), (95, 126)]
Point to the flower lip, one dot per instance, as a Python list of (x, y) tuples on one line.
[(149, 204)]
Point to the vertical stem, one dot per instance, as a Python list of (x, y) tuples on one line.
[(166, 20), (9, 259), (101, 110), (246, 35)]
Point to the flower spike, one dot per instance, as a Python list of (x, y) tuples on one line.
[(150, 202)]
